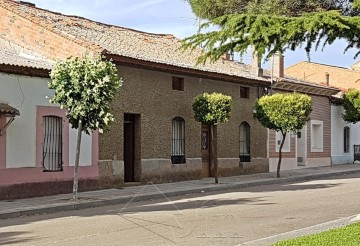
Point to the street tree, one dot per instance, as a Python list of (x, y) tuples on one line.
[(283, 113), (270, 31), (212, 109), (211, 9), (351, 104), (85, 87)]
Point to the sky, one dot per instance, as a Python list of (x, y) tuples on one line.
[(174, 17)]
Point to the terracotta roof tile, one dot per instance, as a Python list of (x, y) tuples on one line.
[(12, 54), (157, 48), (8, 110)]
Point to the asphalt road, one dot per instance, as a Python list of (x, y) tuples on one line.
[(252, 216)]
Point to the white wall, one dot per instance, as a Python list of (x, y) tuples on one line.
[(21, 135), (337, 137)]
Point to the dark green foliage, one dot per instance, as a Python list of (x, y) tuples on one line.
[(272, 33), (210, 9), (212, 109), (351, 104)]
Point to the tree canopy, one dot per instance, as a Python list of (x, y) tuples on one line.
[(351, 104), (272, 32), (210, 9), (85, 87), (212, 109), (284, 113)]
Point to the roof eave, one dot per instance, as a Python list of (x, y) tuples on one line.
[(27, 71), (305, 88), (133, 62)]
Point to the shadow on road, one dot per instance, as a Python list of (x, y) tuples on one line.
[(12, 238), (181, 203)]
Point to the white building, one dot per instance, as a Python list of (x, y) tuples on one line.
[(37, 144)]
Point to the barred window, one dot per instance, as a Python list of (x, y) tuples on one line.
[(178, 141), (244, 142), (346, 139), (52, 144)]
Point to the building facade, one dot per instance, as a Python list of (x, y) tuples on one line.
[(344, 136), (37, 144)]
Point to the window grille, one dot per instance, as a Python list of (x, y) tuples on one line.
[(178, 141), (245, 142), (52, 144), (346, 139)]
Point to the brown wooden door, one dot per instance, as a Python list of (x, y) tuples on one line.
[(129, 148), (205, 150)]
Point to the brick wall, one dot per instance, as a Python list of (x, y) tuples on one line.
[(26, 32), (313, 72)]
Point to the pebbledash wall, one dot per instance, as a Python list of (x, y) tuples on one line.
[(21, 145), (150, 96), (308, 148)]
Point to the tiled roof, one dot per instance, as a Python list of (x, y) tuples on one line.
[(356, 66), (157, 48), (8, 110), (11, 54)]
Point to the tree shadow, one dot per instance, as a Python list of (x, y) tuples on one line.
[(291, 187), (181, 205), (11, 238)]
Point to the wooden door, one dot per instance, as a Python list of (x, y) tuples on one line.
[(129, 148), (205, 150)]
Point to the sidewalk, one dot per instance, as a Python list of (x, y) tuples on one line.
[(59, 203)]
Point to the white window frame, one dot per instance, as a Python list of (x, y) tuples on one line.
[(317, 145), (287, 143)]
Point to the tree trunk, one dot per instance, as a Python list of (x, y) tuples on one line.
[(280, 154), (77, 159), (213, 152)]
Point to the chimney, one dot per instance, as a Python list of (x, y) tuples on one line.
[(256, 65), (277, 65), (327, 78)]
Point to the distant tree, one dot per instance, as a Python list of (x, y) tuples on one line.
[(85, 87), (276, 27), (211, 9), (351, 104), (283, 113), (212, 109)]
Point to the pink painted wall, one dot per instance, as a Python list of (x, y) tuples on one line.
[(53, 111), (11, 176)]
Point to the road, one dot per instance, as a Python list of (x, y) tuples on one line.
[(239, 217)]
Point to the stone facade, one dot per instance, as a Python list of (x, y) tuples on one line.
[(149, 95)]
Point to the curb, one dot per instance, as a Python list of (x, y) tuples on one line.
[(146, 197)]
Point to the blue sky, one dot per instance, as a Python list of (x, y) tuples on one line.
[(175, 17)]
